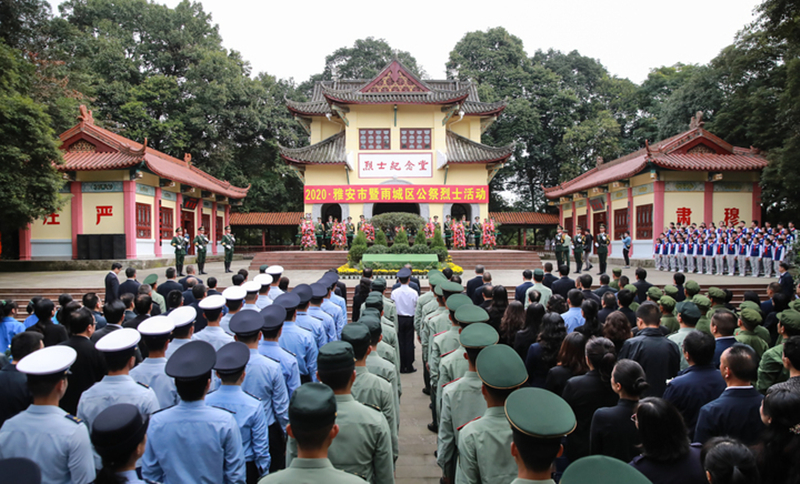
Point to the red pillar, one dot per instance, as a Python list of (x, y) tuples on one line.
[(263, 239), (25, 243), (631, 215), (77, 215), (157, 219), (589, 224), (561, 214), (658, 208), (609, 217), (213, 229), (571, 230), (129, 204), (708, 203), (227, 215), (756, 202)]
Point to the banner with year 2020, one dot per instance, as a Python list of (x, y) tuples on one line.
[(396, 193)]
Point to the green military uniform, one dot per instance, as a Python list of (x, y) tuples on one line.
[(759, 330), (484, 443), (565, 248), (669, 320), (228, 243), (201, 244), (180, 252), (692, 288), (376, 392), (771, 369), (614, 284), (477, 231), (328, 233), (461, 400), (602, 241), (350, 230), (751, 318), (448, 232), (154, 295), (578, 243), (703, 304), (319, 234), (452, 366), (558, 242), (378, 364)]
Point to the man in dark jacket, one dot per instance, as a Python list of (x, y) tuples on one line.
[(785, 280), (625, 299), (549, 278), (170, 284), (609, 303), (604, 287), (736, 413), (477, 295), (641, 284), (475, 282), (700, 383), (586, 288), (90, 365), (13, 384), (519, 292), (131, 285), (660, 358), (565, 284), (112, 282)]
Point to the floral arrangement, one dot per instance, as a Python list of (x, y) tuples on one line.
[(489, 240), (369, 231), (339, 236), (459, 236), (429, 229), (356, 272), (309, 239)]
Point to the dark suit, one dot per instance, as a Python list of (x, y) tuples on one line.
[(641, 289), (477, 296), (112, 287), (167, 287), (604, 289), (342, 287), (563, 286), (473, 284), (736, 413), (52, 333), (14, 389), (201, 322), (88, 369), (603, 314), (787, 284), (131, 286), (630, 315), (589, 294), (613, 433), (585, 394), (660, 358), (693, 388), (135, 322), (102, 332), (185, 281), (188, 297), (681, 296), (549, 279), (519, 292), (722, 344), (767, 306)]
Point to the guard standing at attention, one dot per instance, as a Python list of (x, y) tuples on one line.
[(577, 249), (477, 232), (558, 243), (602, 241), (350, 231), (312, 425), (180, 249), (228, 243), (201, 243), (52, 438)]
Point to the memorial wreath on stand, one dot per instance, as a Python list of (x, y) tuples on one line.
[(308, 238), (459, 236), (339, 236), (489, 239), (369, 231), (429, 229)]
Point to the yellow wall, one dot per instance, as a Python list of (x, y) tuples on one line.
[(741, 200), (61, 231), (699, 176), (326, 175), (108, 225), (115, 175), (642, 179), (674, 200)]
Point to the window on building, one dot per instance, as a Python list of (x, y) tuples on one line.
[(166, 220), (374, 139), (644, 222), (620, 223), (415, 139), (218, 229), (144, 221)]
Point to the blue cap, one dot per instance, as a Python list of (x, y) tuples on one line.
[(288, 300), (304, 292), (193, 360), (403, 273), (333, 275), (232, 357), (118, 429), (273, 316), (246, 322), (319, 290)]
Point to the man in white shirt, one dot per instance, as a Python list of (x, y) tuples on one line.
[(405, 300)]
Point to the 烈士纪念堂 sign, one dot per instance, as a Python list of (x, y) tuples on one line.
[(396, 193), (400, 165)]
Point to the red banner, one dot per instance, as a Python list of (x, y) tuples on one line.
[(396, 193)]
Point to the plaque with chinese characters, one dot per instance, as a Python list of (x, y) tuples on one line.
[(396, 193), (391, 165)]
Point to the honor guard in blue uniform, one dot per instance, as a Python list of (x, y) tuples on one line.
[(264, 379), (318, 294), (276, 272), (263, 299), (55, 440), (183, 319), (234, 300), (330, 307), (274, 316), (213, 334), (25, 471), (305, 320), (155, 333), (117, 435), (119, 349), (231, 361), (192, 442), (297, 339), (250, 300)]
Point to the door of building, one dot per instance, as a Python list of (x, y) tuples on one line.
[(620, 223), (187, 222), (599, 219), (568, 226), (582, 222)]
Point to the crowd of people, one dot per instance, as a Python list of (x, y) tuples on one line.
[(556, 379)]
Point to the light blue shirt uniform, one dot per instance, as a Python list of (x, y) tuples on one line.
[(250, 307), (52, 438), (336, 313), (572, 319), (225, 323), (252, 423), (274, 292), (304, 320), (327, 322), (192, 442), (112, 390), (130, 477), (263, 379), (263, 301), (339, 300), (151, 373), (289, 368), (175, 344), (9, 327), (215, 336), (300, 341)]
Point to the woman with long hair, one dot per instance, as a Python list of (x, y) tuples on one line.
[(571, 361), (361, 296), (498, 307), (617, 328), (530, 332), (543, 355), (586, 393), (667, 457), (612, 432), (591, 326), (557, 304), (778, 451), (119, 436), (513, 320), (728, 461)]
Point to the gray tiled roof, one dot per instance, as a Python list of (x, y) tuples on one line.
[(464, 150), (328, 151)]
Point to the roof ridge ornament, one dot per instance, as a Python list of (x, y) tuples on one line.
[(696, 121), (187, 158), (85, 115)]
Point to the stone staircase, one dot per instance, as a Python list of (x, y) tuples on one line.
[(501, 259)]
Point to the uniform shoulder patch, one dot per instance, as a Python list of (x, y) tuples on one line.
[(162, 409), (271, 358), (374, 407), (142, 384), (451, 351), (284, 349), (474, 419), (73, 418), (253, 396), (306, 329), (451, 381), (223, 408)]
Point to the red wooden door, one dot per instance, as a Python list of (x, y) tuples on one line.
[(187, 222)]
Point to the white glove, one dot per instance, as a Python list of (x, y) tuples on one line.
[(596, 244)]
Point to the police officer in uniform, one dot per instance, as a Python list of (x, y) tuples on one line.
[(183, 319), (118, 436), (602, 241), (201, 243), (365, 447), (52, 438), (274, 316), (577, 249), (461, 400), (155, 333), (213, 333), (312, 426), (167, 456), (180, 249), (297, 339), (483, 444), (246, 408), (228, 243)]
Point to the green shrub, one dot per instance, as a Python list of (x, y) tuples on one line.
[(420, 239), (355, 254), (388, 221), (441, 253), (380, 238), (438, 241), (360, 238), (377, 249), (420, 249), (401, 238), (400, 249)]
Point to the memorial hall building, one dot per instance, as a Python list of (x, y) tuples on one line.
[(396, 143), (124, 200), (692, 177)]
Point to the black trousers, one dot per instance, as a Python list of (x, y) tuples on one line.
[(277, 448), (252, 472), (625, 253), (405, 338)]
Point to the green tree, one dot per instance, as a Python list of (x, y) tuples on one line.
[(419, 239), (380, 238)]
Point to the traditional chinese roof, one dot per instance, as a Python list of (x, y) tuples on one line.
[(524, 218), (693, 150), (464, 150), (91, 148), (329, 151), (395, 84), (266, 218)]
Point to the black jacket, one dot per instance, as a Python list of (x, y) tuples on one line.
[(787, 284), (736, 413), (473, 284), (660, 358), (519, 292), (563, 286), (557, 379), (112, 287), (52, 333), (14, 389), (131, 286), (641, 289), (589, 294), (693, 388), (88, 369), (603, 314), (185, 281), (167, 287), (585, 394), (613, 433), (603, 289), (681, 296), (549, 279), (477, 295)]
